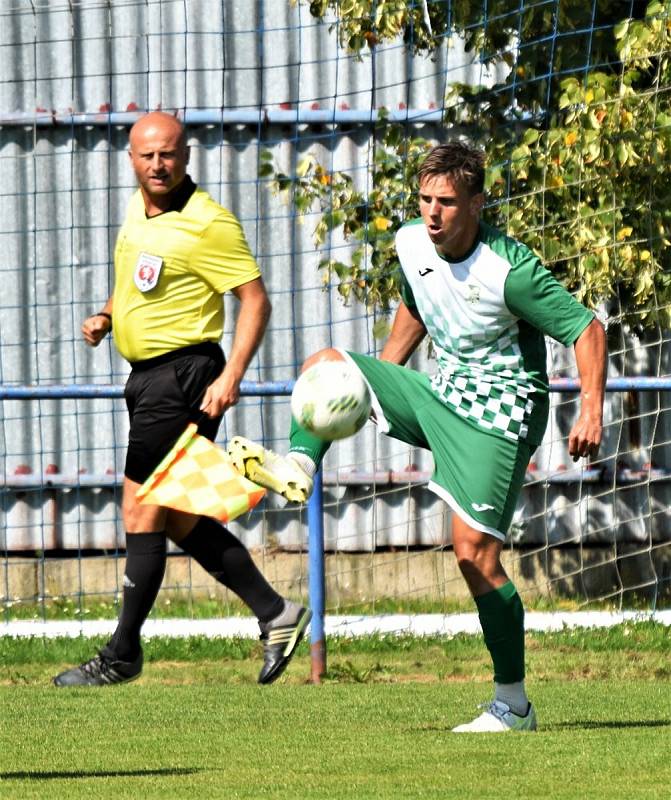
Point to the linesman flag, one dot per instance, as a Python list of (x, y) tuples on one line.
[(199, 477)]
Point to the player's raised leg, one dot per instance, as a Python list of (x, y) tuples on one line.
[(292, 475), (288, 475)]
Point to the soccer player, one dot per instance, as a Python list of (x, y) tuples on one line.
[(176, 254), (487, 303)]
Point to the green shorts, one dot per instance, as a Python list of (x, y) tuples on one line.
[(479, 474)]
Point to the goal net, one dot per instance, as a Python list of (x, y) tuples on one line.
[(307, 120)]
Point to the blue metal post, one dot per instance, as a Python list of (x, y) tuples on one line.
[(316, 579)]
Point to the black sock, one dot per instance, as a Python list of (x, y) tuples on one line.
[(145, 567), (228, 561)]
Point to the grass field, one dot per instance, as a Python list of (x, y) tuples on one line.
[(196, 723)]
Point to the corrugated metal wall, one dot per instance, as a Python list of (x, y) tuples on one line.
[(63, 194)]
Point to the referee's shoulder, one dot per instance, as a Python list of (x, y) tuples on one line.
[(206, 209)]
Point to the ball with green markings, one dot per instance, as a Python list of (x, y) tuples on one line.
[(331, 400)]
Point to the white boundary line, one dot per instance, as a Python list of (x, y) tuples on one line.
[(414, 624)]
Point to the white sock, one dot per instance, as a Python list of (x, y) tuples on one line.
[(514, 696), (304, 462)]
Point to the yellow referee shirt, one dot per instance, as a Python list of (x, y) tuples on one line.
[(171, 271)]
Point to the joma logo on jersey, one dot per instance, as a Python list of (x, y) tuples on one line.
[(473, 294), (424, 272)]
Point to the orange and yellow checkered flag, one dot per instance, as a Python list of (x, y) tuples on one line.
[(199, 477)]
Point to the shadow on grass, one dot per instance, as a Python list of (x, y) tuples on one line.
[(577, 725), (583, 724), (54, 775)]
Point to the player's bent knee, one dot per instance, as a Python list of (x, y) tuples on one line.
[(327, 354), (468, 567), (477, 562)]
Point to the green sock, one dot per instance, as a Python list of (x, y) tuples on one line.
[(502, 618), (300, 441)]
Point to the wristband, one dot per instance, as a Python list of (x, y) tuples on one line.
[(104, 314)]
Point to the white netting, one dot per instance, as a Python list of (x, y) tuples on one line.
[(250, 79)]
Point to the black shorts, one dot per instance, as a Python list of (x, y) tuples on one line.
[(163, 396)]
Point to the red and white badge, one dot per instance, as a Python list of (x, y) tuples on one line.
[(147, 271)]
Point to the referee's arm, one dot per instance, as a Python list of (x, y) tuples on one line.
[(98, 325), (250, 326)]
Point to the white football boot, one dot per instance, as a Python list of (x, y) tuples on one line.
[(498, 718), (280, 474)]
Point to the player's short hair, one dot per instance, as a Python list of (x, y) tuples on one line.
[(460, 161)]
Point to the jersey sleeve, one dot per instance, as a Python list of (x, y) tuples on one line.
[(534, 295), (406, 293), (223, 258)]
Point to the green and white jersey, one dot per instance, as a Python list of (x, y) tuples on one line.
[(487, 315)]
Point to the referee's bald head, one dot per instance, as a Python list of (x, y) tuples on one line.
[(159, 122)]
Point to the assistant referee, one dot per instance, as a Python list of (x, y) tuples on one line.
[(177, 253)]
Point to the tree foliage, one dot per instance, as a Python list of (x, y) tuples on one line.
[(577, 135)]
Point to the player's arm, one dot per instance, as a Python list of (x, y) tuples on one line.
[(97, 326), (407, 331), (253, 316), (590, 354)]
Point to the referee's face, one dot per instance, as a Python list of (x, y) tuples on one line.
[(159, 155), (451, 214)]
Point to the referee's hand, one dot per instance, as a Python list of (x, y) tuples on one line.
[(220, 395), (95, 328)]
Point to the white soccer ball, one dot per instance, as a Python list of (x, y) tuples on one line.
[(331, 400)]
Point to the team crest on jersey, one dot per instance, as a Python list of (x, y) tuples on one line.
[(147, 271), (473, 294)]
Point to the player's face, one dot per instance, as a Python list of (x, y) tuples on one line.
[(451, 214), (159, 157)]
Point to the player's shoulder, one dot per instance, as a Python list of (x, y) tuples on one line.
[(513, 251), (412, 230)]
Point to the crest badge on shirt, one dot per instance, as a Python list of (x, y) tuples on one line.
[(147, 271)]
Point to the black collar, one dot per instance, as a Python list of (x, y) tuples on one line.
[(179, 197)]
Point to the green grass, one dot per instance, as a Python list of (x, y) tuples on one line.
[(178, 606), (197, 725)]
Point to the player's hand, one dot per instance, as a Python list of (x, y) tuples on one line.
[(95, 328), (220, 395), (585, 437)]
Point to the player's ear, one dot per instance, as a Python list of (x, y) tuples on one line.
[(477, 202)]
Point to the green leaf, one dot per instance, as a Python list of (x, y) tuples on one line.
[(622, 153), (283, 182), (303, 166), (334, 219), (531, 136), (381, 328), (620, 29)]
